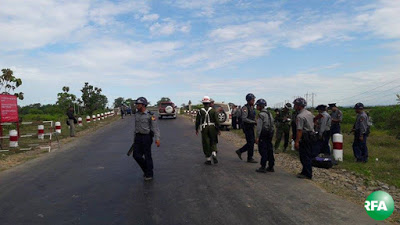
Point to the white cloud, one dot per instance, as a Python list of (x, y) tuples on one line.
[(168, 27), (203, 7), (150, 17)]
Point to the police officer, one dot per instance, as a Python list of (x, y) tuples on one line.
[(248, 123), (323, 127), (293, 124), (145, 128), (305, 137), (337, 117), (361, 132), (239, 116), (208, 124), (283, 126), (265, 132)]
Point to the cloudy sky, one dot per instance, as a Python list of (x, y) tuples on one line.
[(344, 51)]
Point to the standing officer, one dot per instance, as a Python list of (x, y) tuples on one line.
[(239, 116), (337, 117), (249, 121), (208, 124), (293, 124), (305, 137), (265, 132), (324, 128), (71, 121), (234, 118), (145, 129), (283, 126), (361, 132)]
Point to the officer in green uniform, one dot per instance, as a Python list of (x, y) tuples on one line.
[(282, 121), (208, 124)]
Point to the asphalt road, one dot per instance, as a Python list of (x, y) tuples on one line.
[(92, 181)]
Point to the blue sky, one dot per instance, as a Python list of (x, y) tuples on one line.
[(185, 49)]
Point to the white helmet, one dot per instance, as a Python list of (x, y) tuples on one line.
[(206, 99)]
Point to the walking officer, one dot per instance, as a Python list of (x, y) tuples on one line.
[(283, 126), (361, 132), (146, 128), (324, 128), (305, 137), (239, 116), (208, 124), (248, 122), (265, 132), (336, 116)]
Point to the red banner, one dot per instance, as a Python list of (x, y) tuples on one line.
[(8, 108)]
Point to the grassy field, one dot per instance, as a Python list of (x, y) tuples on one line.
[(383, 145)]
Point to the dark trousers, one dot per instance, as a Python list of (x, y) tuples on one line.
[(250, 139), (240, 122), (143, 148), (360, 148), (305, 152), (234, 122), (325, 143), (335, 129), (266, 151)]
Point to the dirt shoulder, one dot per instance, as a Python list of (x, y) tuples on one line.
[(11, 160)]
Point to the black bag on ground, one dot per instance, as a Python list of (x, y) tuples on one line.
[(322, 161), (67, 122)]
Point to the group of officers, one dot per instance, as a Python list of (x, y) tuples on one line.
[(311, 134)]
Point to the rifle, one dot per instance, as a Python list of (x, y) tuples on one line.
[(131, 149)]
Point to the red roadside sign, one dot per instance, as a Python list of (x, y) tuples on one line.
[(8, 109)]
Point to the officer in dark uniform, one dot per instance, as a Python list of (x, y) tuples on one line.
[(248, 122), (239, 116), (208, 124), (305, 137), (265, 132), (337, 117), (145, 128), (234, 117), (282, 121), (361, 132)]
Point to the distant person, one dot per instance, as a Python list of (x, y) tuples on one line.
[(71, 121), (146, 128), (323, 125), (212, 102), (282, 121), (234, 117), (239, 116), (249, 121), (305, 137), (265, 132), (122, 111), (337, 117), (293, 125), (208, 124), (361, 132)]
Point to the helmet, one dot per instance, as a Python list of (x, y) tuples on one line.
[(206, 99), (142, 100), (300, 102), (212, 100), (288, 105), (261, 102), (250, 97), (359, 106)]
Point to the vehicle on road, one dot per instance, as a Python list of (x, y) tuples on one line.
[(224, 114), (167, 109), (129, 111)]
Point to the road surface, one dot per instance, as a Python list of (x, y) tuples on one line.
[(92, 181)]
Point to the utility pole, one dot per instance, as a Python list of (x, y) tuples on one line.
[(312, 96)]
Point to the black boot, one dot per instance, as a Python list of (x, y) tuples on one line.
[(270, 169), (239, 154), (208, 162), (251, 161), (261, 170)]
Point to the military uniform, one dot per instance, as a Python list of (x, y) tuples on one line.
[(207, 122), (361, 129), (265, 132), (293, 124), (323, 128), (248, 115), (145, 128), (282, 120), (304, 122)]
